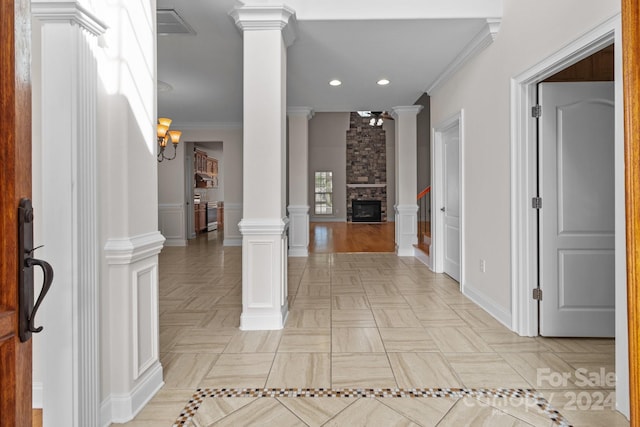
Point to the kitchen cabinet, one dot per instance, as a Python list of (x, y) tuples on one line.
[(200, 161), (200, 211), (220, 215)]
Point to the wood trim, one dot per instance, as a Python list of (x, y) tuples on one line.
[(15, 175), (631, 83)]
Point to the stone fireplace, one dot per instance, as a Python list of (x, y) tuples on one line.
[(366, 167)]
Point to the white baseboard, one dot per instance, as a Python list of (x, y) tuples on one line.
[(120, 408), (423, 258), (232, 241), (298, 252), (500, 314), (36, 395), (175, 242), (266, 322), (411, 251)]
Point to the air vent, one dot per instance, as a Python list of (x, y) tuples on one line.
[(169, 22)]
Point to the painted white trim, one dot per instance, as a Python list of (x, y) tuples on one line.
[(406, 229), (415, 109), (523, 227), (171, 216), (481, 41), (523, 172), (208, 125), (298, 230), (36, 395), (74, 12), (140, 368), (301, 112), (120, 408), (487, 304), (423, 258), (264, 322), (437, 196), (267, 227), (233, 242), (127, 250), (266, 18)]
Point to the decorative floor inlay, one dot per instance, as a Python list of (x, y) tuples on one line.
[(198, 397)]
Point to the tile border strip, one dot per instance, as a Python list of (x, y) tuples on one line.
[(198, 397)]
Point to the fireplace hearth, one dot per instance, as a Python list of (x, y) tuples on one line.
[(366, 211)]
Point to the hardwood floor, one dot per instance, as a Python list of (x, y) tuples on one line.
[(348, 237)]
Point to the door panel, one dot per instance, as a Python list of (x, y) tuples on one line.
[(451, 149), (15, 175), (576, 146)]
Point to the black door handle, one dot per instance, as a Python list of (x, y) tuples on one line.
[(28, 311), (47, 271)]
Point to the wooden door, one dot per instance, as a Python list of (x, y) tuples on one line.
[(15, 179), (631, 84), (577, 232)]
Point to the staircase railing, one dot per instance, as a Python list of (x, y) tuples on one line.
[(424, 214)]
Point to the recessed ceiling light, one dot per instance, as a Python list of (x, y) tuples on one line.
[(335, 82), (383, 82)]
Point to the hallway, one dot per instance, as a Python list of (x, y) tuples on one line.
[(366, 324)]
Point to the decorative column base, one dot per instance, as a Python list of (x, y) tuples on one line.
[(298, 231), (264, 274), (406, 229)]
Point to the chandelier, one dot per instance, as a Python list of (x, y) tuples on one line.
[(164, 136)]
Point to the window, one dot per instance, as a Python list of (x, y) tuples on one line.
[(324, 193)]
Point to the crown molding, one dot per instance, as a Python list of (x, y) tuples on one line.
[(69, 11), (482, 40), (263, 18), (300, 111), (208, 125), (413, 109)]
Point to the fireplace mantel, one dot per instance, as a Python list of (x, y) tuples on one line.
[(366, 185)]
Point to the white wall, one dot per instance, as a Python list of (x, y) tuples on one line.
[(328, 152), (530, 32), (171, 178)]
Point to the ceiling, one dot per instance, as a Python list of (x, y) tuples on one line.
[(204, 69)]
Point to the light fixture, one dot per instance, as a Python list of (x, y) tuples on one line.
[(164, 135), (383, 82), (377, 118), (335, 82)]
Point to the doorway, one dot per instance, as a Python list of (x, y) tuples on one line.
[(448, 198), (576, 208), (524, 268)]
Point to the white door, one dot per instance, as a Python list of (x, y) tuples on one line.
[(576, 184), (451, 208)]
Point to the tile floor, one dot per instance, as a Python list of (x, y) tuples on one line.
[(360, 322)]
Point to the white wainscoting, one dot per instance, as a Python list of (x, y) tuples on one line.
[(171, 222), (232, 217), (130, 312)]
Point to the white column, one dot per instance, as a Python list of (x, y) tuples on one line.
[(267, 31), (298, 180), (406, 178), (67, 95)]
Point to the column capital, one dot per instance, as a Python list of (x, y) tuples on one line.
[(68, 11), (300, 111), (265, 18), (410, 109)]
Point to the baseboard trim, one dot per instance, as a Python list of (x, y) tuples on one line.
[(175, 242), (298, 252), (36, 395), (264, 322), (121, 408), (423, 258), (488, 305), (232, 242)]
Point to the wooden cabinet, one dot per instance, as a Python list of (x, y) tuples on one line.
[(220, 215), (200, 161), (200, 210)]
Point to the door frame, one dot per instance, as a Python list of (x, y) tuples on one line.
[(524, 264), (437, 192)]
